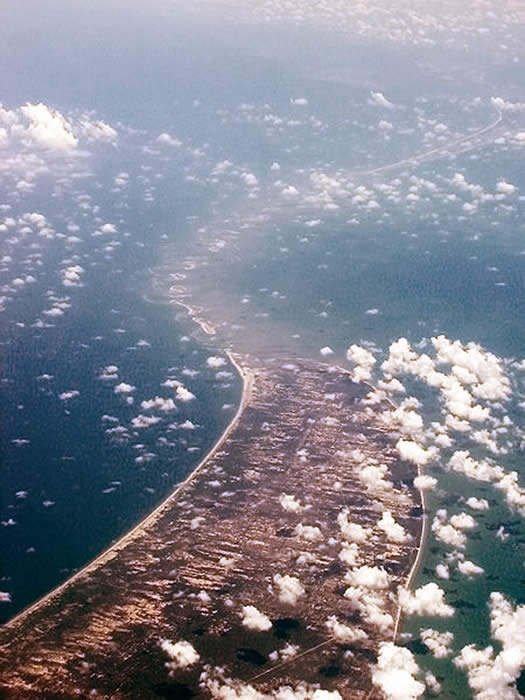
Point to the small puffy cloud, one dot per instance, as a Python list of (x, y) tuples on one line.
[(222, 167), (462, 521), (412, 452), (181, 654), (250, 179), (426, 600), (447, 532), (119, 434), (395, 673), (71, 275), (364, 361), (285, 653), (253, 619), (142, 421), (394, 531), (326, 351), (57, 309), (289, 588), (377, 99), (68, 395), (432, 683), (343, 633), (187, 425), (468, 568), (298, 101), (290, 503), (360, 356), (461, 182), (506, 106), (311, 223), (158, 403), (48, 128), (183, 394), (514, 493), (442, 571), (437, 642), (492, 676), (405, 417), (168, 140), (215, 362), (482, 470), (401, 358), (108, 228), (352, 532), (477, 503), (290, 192), (372, 577), (371, 604), (424, 482), (373, 475), (308, 532), (109, 372), (505, 188), (124, 388), (349, 553)]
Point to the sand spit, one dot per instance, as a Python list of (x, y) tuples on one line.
[(226, 539)]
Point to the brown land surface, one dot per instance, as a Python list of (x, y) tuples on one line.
[(215, 546)]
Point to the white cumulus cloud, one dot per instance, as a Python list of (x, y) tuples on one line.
[(253, 619), (426, 600), (289, 588), (182, 654), (492, 675), (394, 531), (437, 642), (395, 673)]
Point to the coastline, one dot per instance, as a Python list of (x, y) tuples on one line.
[(423, 534), (247, 379), (419, 556)]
